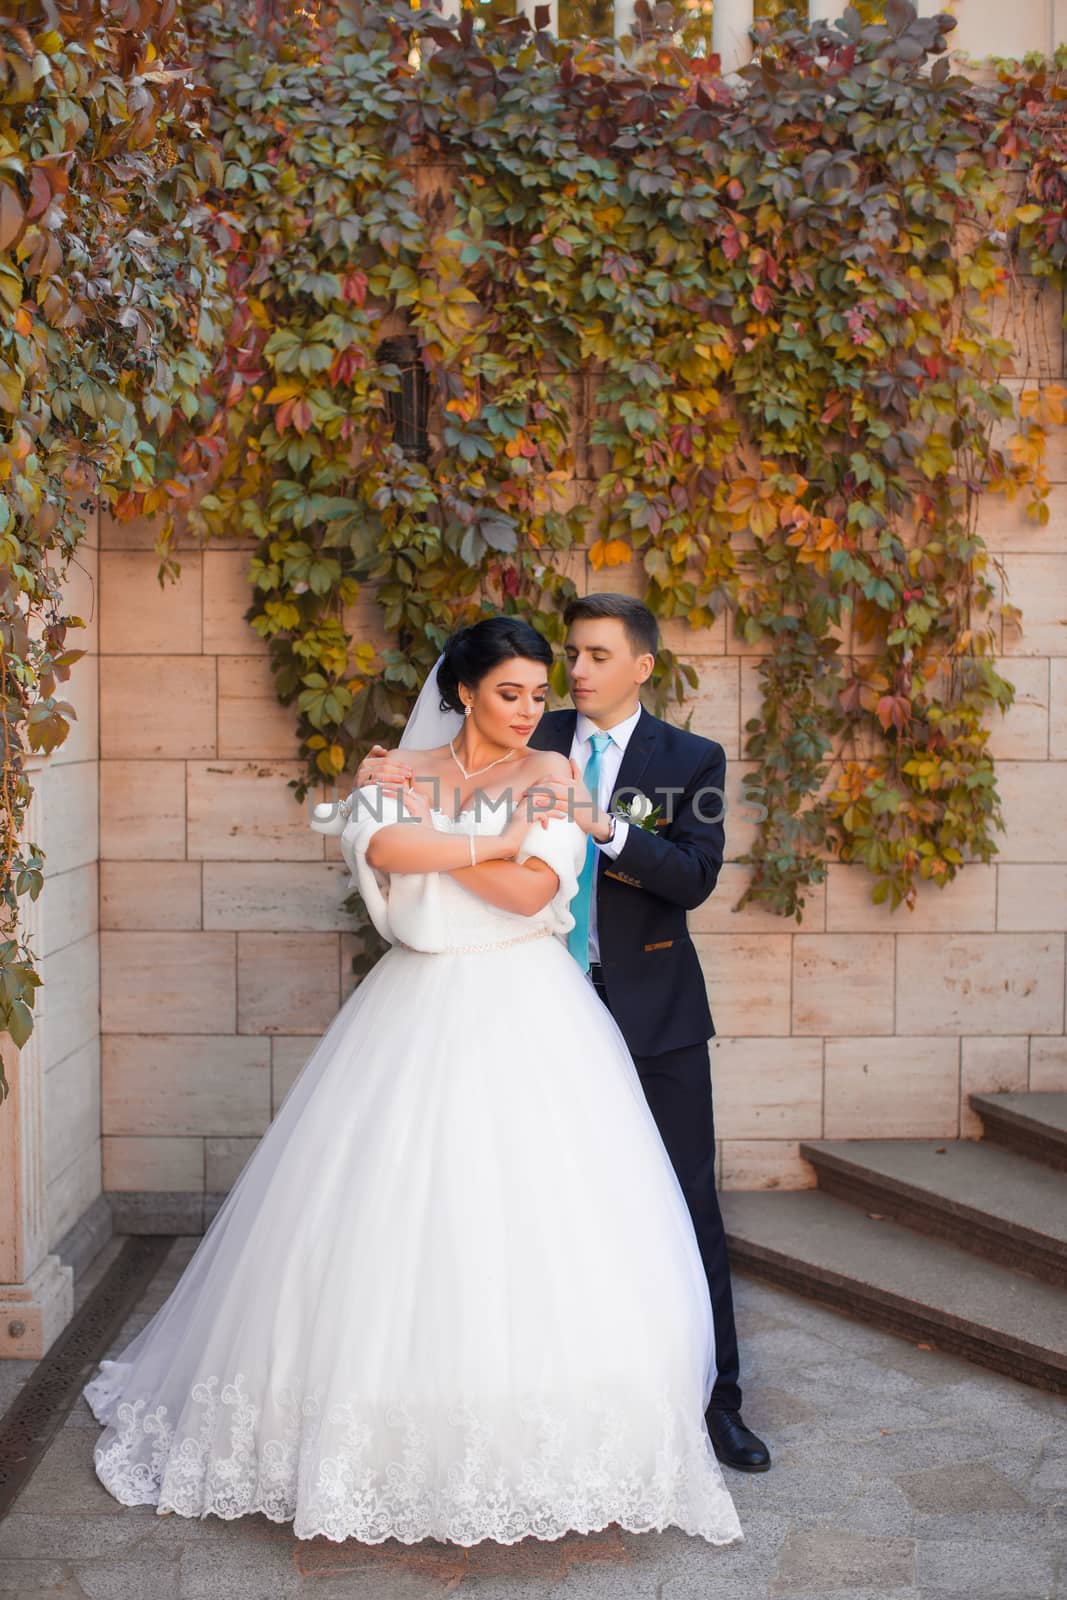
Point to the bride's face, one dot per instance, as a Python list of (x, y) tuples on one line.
[(509, 701)]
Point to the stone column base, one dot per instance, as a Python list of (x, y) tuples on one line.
[(33, 1314)]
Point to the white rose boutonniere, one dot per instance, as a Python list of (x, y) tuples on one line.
[(639, 811)]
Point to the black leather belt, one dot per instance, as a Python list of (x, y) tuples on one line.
[(596, 972)]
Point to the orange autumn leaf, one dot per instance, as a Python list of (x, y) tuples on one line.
[(609, 553)]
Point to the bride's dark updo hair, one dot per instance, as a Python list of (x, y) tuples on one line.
[(476, 650)]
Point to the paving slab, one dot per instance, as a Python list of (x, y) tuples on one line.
[(822, 1561), (899, 1474), (25, 1580), (966, 1486), (969, 1567)]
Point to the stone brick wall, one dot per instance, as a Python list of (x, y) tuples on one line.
[(986, 27), (64, 928), (224, 952)]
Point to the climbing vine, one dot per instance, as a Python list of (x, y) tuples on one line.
[(731, 341), (726, 337), (108, 293)]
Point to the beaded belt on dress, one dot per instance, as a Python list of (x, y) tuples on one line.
[(474, 949)]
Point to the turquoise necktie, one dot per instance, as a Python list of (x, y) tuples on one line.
[(581, 905)]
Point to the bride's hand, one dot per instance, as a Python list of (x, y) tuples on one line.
[(515, 830), (416, 804), (385, 767)]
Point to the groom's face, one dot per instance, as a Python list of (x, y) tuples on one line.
[(603, 670)]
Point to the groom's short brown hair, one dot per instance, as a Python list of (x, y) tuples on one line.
[(642, 629)]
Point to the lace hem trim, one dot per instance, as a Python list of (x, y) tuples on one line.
[(348, 1471)]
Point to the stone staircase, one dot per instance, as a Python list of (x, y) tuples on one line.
[(959, 1244)]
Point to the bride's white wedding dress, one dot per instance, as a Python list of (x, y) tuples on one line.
[(455, 1292)]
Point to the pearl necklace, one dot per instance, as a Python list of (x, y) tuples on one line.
[(476, 770)]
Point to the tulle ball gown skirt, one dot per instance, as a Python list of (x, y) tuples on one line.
[(454, 1294)]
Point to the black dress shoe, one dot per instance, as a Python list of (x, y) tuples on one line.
[(736, 1445)]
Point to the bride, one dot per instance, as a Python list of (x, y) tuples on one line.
[(455, 1293)]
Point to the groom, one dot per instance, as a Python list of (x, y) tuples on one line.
[(630, 921)]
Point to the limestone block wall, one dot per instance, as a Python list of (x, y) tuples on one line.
[(224, 951), (53, 1216), (985, 27), (65, 822)]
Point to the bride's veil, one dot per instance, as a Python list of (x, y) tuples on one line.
[(428, 727)]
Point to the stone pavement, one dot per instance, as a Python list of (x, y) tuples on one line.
[(900, 1474)]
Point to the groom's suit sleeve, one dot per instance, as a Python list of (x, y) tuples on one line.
[(681, 862)]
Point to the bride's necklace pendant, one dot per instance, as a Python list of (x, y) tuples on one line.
[(474, 772)]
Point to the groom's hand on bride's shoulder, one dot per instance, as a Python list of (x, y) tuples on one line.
[(386, 767), (569, 797), (536, 803)]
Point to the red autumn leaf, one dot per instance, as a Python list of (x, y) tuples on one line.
[(40, 193), (354, 287), (12, 215), (894, 710)]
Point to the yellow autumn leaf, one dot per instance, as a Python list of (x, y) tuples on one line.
[(1054, 397)]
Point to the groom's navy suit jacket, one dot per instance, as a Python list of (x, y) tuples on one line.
[(652, 974)]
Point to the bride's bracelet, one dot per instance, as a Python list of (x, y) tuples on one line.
[(473, 861)]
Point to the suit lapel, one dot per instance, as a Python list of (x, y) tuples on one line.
[(555, 731), (637, 754)]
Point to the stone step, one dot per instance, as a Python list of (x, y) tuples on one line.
[(922, 1288), (990, 1201), (1033, 1124)]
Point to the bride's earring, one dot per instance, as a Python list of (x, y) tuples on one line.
[(466, 711)]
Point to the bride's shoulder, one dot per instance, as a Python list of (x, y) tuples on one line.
[(431, 765), (546, 764), (439, 753)]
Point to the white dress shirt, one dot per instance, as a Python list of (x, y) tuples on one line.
[(610, 763)]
